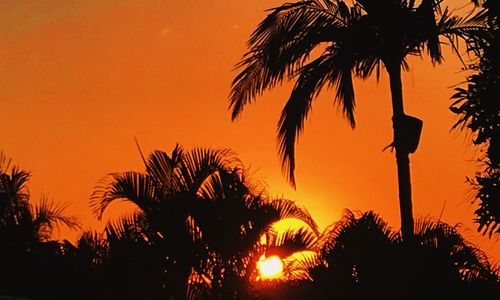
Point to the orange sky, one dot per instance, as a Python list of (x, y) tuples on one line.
[(80, 79)]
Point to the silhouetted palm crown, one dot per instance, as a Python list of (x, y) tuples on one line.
[(201, 216), (354, 40), (30, 259), (364, 258), (21, 222)]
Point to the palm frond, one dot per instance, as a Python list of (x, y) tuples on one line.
[(359, 228), (341, 78), (454, 28), (327, 69), (13, 186), (311, 80), (225, 185), (292, 241), (200, 163), (300, 267), (14, 193), (286, 209), (47, 216), (279, 46), (471, 262), (127, 228), (134, 187), (162, 167), (4, 163)]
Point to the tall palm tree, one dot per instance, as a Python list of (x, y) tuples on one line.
[(199, 217), (355, 41)]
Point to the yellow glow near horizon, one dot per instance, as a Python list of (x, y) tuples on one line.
[(270, 267)]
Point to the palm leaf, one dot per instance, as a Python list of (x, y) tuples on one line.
[(469, 261), (133, 187), (200, 163), (47, 216), (162, 169), (291, 241), (283, 209), (312, 78), (278, 48)]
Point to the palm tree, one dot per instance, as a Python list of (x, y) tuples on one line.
[(22, 223), (355, 41), (198, 218), (28, 255), (362, 257), (165, 196)]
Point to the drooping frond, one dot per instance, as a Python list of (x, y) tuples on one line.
[(327, 69), (295, 113), (279, 46), (134, 187), (292, 241), (287, 209)]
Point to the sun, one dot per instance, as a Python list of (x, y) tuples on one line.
[(270, 267)]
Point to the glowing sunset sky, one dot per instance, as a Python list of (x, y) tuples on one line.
[(80, 79)]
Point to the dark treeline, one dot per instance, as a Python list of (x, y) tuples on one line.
[(199, 228)]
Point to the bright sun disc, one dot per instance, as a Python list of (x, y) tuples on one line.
[(270, 267)]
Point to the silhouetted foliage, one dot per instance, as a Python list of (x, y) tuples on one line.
[(198, 228), (354, 41), (362, 258), (478, 108), (229, 224), (29, 259)]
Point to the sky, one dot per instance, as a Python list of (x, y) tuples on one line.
[(81, 80)]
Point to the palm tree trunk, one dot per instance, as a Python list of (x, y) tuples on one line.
[(402, 159)]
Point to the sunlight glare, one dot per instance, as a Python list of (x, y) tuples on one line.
[(270, 267)]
